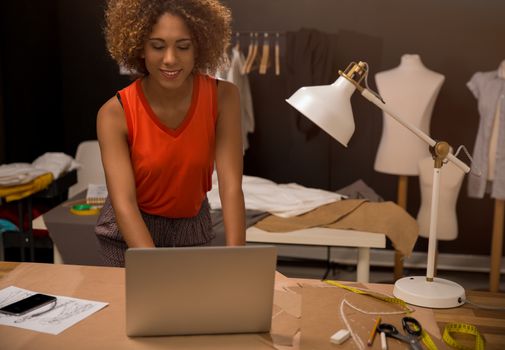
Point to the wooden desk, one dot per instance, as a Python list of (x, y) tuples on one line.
[(326, 237), (105, 329)]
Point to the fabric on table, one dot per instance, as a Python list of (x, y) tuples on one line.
[(353, 214), (284, 200), (12, 193), (57, 163), (360, 190), (14, 174)]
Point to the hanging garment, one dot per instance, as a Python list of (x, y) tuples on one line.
[(488, 88), (311, 59), (234, 75)]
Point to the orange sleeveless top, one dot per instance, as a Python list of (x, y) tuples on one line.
[(172, 167)]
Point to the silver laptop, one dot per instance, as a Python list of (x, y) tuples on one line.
[(199, 290)]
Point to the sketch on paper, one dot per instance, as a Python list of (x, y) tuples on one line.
[(58, 317)]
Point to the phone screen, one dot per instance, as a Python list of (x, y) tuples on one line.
[(28, 304)]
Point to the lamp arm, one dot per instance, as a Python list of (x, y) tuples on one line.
[(376, 101)]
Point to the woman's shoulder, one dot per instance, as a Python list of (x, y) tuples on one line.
[(111, 116), (226, 89), (111, 107), (222, 85), (228, 97)]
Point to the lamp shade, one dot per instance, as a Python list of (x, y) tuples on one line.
[(329, 107)]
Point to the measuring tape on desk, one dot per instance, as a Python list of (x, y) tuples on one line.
[(426, 339), (84, 209), (462, 328), (388, 299)]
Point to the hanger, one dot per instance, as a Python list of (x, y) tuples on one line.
[(253, 54), (264, 55), (249, 54), (277, 55)]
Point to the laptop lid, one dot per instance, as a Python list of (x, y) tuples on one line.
[(199, 290)]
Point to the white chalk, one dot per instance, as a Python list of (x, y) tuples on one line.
[(384, 344), (340, 337)]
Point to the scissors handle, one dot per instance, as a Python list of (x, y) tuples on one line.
[(412, 326), (414, 331), (387, 328)]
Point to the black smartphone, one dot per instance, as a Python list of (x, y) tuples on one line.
[(28, 304)]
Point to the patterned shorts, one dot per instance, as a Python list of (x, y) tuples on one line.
[(166, 232)]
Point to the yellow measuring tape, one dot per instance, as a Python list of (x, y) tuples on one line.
[(372, 294), (464, 329), (425, 337)]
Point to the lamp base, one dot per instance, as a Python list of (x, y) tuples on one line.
[(440, 293)]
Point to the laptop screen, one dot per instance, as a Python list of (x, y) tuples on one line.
[(199, 290)]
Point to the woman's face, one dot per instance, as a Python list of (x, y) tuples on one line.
[(169, 51)]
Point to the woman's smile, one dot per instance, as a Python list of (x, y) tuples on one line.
[(170, 74)]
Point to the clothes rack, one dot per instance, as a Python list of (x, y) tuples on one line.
[(256, 59)]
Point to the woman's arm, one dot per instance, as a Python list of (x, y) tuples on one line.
[(229, 162), (112, 136)]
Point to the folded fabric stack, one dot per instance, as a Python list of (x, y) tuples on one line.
[(20, 180)]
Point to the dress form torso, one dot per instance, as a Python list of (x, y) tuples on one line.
[(411, 91), (451, 179)]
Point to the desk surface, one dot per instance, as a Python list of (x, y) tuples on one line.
[(105, 329)]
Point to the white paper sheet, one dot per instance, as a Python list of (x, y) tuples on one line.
[(66, 312)]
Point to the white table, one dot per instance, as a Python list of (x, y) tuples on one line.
[(318, 236), (328, 237)]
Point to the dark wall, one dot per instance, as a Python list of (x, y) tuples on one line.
[(454, 37), (55, 74), (30, 69), (2, 128), (89, 76)]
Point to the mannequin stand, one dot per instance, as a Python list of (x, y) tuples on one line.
[(496, 245), (403, 183)]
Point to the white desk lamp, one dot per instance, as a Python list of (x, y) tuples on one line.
[(329, 107)]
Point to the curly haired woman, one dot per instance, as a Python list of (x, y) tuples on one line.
[(160, 136)]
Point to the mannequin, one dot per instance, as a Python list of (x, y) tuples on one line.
[(411, 90), (489, 88), (451, 179)]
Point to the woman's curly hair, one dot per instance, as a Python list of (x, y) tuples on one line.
[(128, 24)]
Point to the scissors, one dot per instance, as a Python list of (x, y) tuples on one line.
[(412, 329)]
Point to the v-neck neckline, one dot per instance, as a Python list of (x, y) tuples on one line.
[(187, 118)]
